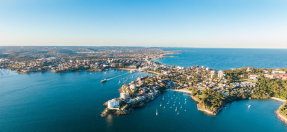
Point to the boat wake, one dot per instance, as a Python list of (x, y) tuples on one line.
[(117, 76)]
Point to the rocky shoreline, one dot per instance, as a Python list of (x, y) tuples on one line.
[(281, 117), (124, 111), (105, 113), (204, 109)]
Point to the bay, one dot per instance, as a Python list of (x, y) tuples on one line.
[(73, 101)]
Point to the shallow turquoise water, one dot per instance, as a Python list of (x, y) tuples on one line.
[(73, 101)]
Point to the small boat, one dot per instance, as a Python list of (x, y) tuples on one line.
[(177, 113), (156, 112), (176, 109), (249, 106), (160, 105), (103, 80), (164, 107), (181, 107)]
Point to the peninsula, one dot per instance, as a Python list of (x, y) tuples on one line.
[(211, 89)]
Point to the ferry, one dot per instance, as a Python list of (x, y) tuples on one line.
[(103, 80)]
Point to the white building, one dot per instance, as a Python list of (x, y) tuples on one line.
[(113, 104), (166, 72), (254, 77), (249, 69), (269, 76), (124, 95), (179, 68), (212, 73), (132, 87), (140, 98), (61, 67), (220, 74), (279, 72)]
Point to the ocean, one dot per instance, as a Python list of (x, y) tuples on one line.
[(72, 101), (223, 59)]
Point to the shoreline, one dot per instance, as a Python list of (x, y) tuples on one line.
[(199, 107), (278, 99), (136, 70), (281, 117), (182, 90)]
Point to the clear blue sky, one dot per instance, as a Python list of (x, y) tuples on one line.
[(179, 23)]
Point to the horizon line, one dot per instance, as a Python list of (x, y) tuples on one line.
[(149, 47)]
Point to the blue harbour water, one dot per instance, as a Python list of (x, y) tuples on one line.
[(73, 101)]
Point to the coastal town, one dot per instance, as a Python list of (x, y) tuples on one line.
[(211, 89), (93, 61)]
